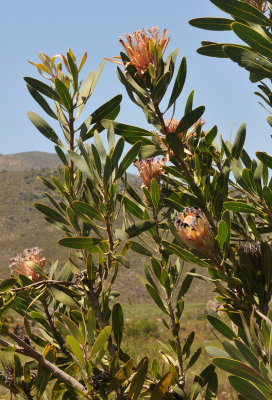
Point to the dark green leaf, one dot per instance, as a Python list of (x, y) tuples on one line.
[(41, 101), (139, 227), (179, 82), (86, 243), (222, 233), (101, 340), (237, 206), (117, 323), (128, 159), (212, 50), (221, 327), (155, 193), (126, 131), (75, 348), (42, 88), (161, 87), (243, 11), (212, 24), (239, 142), (122, 375), (138, 380), (50, 213), (156, 297), (265, 158), (247, 389), (74, 70), (88, 210), (64, 94), (43, 126), (190, 119), (161, 387)]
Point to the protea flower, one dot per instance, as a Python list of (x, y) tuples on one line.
[(20, 265), (194, 230), (149, 169), (144, 50)]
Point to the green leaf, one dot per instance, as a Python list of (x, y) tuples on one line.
[(88, 210), (260, 43), (128, 159), (237, 206), (139, 227), (138, 248), (184, 254), (188, 343), (85, 92), (43, 127), (161, 87), (247, 389), (249, 60), (18, 372), (267, 194), (179, 82), (239, 141), (74, 70), (221, 327), (85, 243), (101, 340), (194, 358), (122, 375), (132, 207), (43, 375), (265, 158), (75, 348), (64, 95), (91, 326), (73, 328), (138, 380), (127, 131), (41, 101), (161, 387), (186, 284), (243, 11), (155, 193), (211, 135), (117, 323), (62, 297), (190, 119), (175, 144), (154, 293), (222, 233), (212, 24), (212, 50), (6, 284), (50, 213), (117, 152), (42, 88)]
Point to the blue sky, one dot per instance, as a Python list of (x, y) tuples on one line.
[(30, 26)]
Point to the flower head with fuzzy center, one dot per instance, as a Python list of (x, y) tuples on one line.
[(20, 264), (143, 49), (149, 169), (194, 230)]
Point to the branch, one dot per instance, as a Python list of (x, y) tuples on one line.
[(28, 351)]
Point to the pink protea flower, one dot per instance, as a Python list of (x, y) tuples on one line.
[(138, 47), (171, 124), (19, 263), (194, 230), (149, 169)]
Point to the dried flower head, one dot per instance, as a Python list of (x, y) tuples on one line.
[(149, 169), (253, 249), (194, 230), (7, 373), (20, 264), (143, 49), (171, 124)]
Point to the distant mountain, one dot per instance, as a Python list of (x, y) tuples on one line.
[(28, 160)]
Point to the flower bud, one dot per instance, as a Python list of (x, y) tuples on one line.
[(194, 230), (19, 263)]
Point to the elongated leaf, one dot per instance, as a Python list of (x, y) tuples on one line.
[(212, 50), (139, 248), (64, 94), (237, 206), (247, 389), (138, 380), (243, 11), (41, 101), (42, 88), (260, 43), (139, 227), (265, 158), (239, 141), (190, 119), (161, 387), (249, 60), (73, 69), (50, 213), (88, 210), (212, 24), (222, 233), (85, 92), (122, 375), (161, 87), (73, 328), (186, 285), (184, 254), (43, 126), (117, 323), (179, 82), (221, 327), (124, 130), (75, 348), (100, 341), (6, 284), (91, 325), (155, 193), (156, 297), (128, 159), (85, 243), (43, 375)]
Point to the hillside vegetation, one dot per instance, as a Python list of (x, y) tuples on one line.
[(22, 226)]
